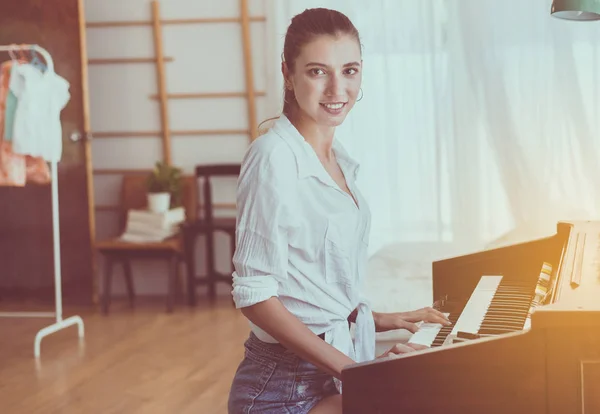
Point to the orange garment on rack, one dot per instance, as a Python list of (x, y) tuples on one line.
[(12, 166), (16, 169)]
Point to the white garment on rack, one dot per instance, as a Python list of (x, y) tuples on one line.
[(41, 96)]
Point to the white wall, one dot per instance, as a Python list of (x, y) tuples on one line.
[(207, 58)]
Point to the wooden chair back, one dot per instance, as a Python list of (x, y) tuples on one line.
[(204, 173)]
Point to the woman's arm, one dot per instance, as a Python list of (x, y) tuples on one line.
[(271, 316), (407, 320), (404, 320), (265, 192)]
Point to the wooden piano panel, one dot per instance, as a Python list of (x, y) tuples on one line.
[(504, 374), (574, 369), (457, 277), (590, 373)]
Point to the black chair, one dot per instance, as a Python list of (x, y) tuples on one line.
[(208, 225)]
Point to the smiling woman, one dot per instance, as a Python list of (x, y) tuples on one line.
[(302, 235), (322, 68)]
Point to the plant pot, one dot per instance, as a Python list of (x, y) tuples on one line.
[(159, 202)]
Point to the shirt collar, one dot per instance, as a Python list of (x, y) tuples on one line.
[(307, 161)]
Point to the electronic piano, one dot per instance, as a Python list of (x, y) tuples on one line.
[(525, 335)]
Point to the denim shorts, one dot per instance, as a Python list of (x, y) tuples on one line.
[(273, 380)]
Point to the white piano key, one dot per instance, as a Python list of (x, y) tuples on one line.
[(426, 333), (476, 308)]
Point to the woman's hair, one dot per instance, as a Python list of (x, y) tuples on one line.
[(303, 29)]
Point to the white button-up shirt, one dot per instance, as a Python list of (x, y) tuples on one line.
[(303, 239)]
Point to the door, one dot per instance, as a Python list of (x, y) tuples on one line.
[(26, 252)]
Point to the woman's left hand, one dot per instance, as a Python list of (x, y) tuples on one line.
[(407, 320)]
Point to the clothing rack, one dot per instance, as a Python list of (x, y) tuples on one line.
[(60, 322)]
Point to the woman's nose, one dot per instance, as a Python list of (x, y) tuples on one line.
[(334, 86)]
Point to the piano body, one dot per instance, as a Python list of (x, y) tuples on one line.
[(551, 365)]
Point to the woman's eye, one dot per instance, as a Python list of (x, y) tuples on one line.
[(352, 71), (316, 71)]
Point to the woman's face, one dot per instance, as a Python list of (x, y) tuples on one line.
[(327, 78)]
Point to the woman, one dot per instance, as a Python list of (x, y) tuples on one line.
[(302, 233)]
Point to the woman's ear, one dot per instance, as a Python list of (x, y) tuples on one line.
[(285, 72)]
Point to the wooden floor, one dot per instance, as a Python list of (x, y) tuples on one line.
[(132, 361)]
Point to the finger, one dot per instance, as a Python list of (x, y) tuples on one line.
[(409, 326), (441, 314), (436, 316), (389, 355), (417, 347), (395, 350), (443, 319), (440, 319), (401, 349)]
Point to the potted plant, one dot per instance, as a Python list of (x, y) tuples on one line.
[(164, 188)]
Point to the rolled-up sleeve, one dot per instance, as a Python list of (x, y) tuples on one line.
[(261, 256)]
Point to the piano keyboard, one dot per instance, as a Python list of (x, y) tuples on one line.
[(509, 308), (427, 333), (476, 308), (496, 306)]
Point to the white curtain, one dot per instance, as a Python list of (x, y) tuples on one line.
[(479, 121)]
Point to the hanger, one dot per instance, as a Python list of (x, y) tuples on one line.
[(22, 53), (11, 52), (36, 61)]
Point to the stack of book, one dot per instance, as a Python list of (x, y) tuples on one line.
[(147, 226)]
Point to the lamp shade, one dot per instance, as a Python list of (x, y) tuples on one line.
[(576, 9)]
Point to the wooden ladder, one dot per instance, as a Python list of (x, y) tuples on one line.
[(160, 60), (163, 96)]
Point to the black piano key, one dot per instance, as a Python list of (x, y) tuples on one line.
[(505, 325), (500, 319), (496, 331), (494, 319), (507, 312), (445, 331), (508, 309), (505, 315)]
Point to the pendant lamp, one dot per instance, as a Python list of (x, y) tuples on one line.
[(581, 10)]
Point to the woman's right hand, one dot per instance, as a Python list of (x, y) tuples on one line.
[(428, 315)]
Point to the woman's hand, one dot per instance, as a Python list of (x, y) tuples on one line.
[(400, 349), (407, 320), (428, 314), (390, 321)]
